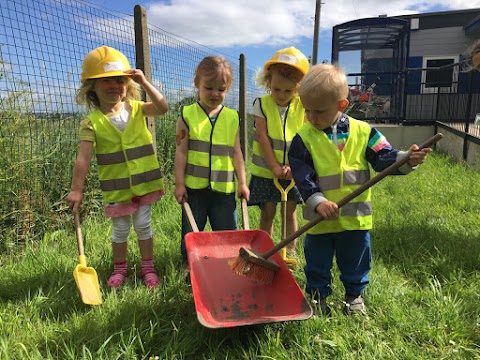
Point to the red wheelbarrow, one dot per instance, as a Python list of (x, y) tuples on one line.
[(224, 299)]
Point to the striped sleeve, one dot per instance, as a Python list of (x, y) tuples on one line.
[(377, 141), (379, 152)]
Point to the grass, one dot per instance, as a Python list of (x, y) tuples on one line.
[(422, 301)]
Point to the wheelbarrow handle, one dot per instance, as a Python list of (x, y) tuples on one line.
[(193, 223), (190, 217), (244, 206), (389, 170)]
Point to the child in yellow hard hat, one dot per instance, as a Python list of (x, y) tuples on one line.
[(128, 169), (278, 115)]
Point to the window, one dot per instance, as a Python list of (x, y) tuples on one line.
[(439, 74)]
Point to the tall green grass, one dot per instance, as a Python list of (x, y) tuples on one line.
[(422, 301)]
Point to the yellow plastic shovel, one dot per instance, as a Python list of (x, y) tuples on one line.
[(85, 277)]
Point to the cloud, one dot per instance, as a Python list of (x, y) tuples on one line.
[(232, 23)]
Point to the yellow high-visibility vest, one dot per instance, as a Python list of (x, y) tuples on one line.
[(210, 148), (127, 163), (339, 173), (280, 135)]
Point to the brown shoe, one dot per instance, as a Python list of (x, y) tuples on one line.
[(354, 305)]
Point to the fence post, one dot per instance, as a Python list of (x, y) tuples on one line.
[(467, 117), (242, 109), (142, 54)]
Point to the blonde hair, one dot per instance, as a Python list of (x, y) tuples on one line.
[(86, 93), (324, 80), (212, 66), (263, 77)]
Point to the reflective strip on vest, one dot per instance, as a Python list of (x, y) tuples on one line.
[(356, 177), (276, 144), (205, 173), (119, 157), (140, 151), (112, 158), (214, 149), (259, 161), (122, 184), (146, 176), (350, 177), (114, 184), (330, 182), (357, 209)]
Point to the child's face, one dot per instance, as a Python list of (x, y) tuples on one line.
[(282, 89), (111, 90), (212, 92), (323, 112)]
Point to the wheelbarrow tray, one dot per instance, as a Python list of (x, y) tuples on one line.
[(224, 299)]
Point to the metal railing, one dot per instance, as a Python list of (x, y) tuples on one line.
[(447, 94)]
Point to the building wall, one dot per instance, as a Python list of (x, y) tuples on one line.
[(401, 137), (438, 42)]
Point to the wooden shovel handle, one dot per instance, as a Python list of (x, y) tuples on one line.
[(78, 231), (389, 170)]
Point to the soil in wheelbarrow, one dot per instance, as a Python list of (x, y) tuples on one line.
[(225, 299)]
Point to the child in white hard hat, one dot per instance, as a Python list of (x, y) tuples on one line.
[(128, 169)]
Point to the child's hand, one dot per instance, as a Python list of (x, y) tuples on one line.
[(327, 210), (278, 172), (137, 75), (180, 193), (74, 200), (418, 156), (243, 192), (287, 172)]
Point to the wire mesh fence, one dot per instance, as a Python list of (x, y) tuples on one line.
[(42, 45)]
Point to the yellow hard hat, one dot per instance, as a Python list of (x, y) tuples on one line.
[(103, 62), (290, 56)]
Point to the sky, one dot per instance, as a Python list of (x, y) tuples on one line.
[(258, 28)]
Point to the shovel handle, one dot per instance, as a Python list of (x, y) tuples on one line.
[(389, 170), (190, 217), (284, 198), (78, 232)]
